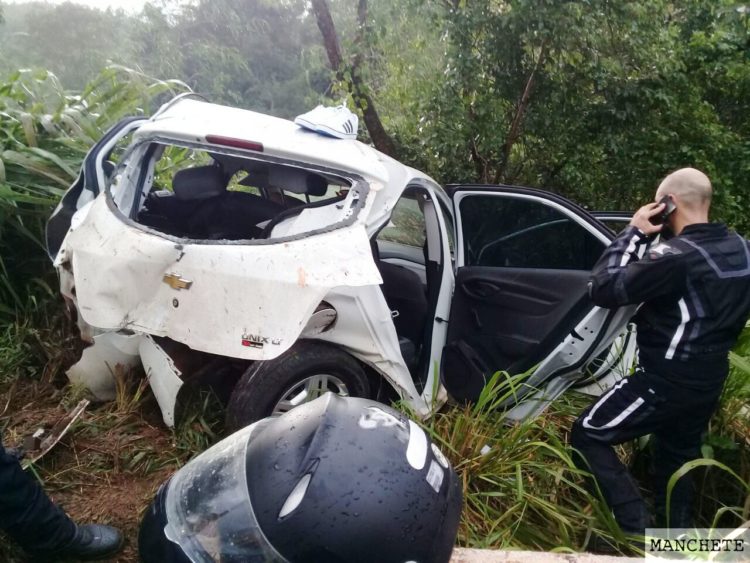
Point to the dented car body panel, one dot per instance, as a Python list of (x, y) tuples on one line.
[(214, 309)]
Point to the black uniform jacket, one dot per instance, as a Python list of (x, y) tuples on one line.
[(695, 295)]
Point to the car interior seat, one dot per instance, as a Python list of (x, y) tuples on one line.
[(199, 183), (201, 207), (406, 298), (315, 186)]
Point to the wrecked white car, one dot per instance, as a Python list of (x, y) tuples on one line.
[(209, 243)]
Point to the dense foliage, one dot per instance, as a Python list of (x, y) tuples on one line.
[(594, 99), (44, 134), (263, 55), (597, 100), (522, 490)]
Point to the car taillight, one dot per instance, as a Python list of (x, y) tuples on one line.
[(234, 143)]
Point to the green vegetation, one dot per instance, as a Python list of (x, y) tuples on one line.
[(522, 489), (265, 55), (45, 133), (523, 493), (595, 100), (728, 442), (110, 464)]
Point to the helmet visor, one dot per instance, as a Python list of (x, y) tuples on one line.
[(209, 513)]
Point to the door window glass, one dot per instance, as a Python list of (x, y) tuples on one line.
[(523, 233), (407, 223), (617, 225)]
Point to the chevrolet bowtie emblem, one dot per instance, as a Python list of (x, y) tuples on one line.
[(175, 281)]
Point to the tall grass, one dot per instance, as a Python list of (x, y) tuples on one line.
[(45, 131), (521, 488), (725, 498)]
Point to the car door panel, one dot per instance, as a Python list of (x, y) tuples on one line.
[(87, 185), (513, 317), (521, 303)]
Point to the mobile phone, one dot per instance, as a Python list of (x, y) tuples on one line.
[(669, 207)]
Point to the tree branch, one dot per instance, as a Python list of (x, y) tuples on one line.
[(521, 107), (480, 164)]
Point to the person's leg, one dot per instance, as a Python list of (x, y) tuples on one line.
[(629, 410), (31, 519), (676, 443), (26, 513)]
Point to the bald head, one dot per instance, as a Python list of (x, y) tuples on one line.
[(691, 188)]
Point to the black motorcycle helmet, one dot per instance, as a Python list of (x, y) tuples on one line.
[(338, 479)]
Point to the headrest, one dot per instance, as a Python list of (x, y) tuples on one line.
[(316, 185), (201, 182), (108, 167), (297, 181)]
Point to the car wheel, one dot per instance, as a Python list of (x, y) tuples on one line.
[(301, 374)]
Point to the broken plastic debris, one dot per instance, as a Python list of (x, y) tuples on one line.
[(485, 449)]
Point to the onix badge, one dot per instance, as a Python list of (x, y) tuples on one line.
[(175, 281)]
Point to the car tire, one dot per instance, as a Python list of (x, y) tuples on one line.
[(299, 375)]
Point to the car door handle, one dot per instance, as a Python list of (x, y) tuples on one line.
[(480, 289)]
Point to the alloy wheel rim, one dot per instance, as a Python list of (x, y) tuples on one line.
[(308, 390)]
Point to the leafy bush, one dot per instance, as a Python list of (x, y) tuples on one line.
[(44, 135), (724, 496)]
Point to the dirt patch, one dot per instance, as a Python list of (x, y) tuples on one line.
[(108, 466)]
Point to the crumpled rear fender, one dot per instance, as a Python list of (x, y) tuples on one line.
[(247, 301)]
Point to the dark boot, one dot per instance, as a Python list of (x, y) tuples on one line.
[(91, 542), (633, 517)]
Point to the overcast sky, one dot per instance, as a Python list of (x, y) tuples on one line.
[(129, 5)]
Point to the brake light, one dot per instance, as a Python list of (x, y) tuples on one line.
[(234, 143)]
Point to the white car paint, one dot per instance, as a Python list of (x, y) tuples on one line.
[(97, 367), (163, 376), (219, 309)]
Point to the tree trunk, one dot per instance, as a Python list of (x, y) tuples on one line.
[(515, 125), (330, 37), (355, 84)]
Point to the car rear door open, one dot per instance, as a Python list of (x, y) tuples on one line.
[(521, 302)]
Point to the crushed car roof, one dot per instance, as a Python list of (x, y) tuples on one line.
[(192, 120)]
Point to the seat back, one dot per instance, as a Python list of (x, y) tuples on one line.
[(199, 183), (404, 293)]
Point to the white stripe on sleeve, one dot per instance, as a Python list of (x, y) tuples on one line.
[(629, 250)]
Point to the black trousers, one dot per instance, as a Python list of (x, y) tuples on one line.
[(641, 404), (26, 512)]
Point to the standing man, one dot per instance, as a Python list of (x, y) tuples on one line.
[(45, 532), (695, 295)]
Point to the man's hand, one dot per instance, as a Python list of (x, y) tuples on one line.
[(641, 218)]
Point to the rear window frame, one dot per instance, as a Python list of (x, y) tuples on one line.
[(357, 196)]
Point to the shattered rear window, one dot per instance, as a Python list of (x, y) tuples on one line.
[(204, 193)]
